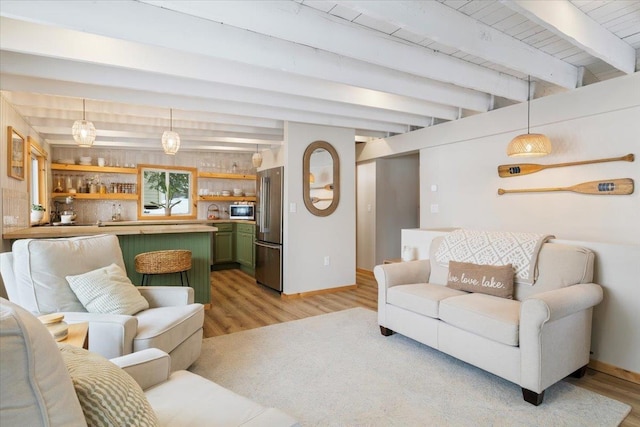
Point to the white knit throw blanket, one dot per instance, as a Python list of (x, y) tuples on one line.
[(494, 248)]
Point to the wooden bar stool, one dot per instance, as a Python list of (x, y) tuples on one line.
[(163, 262)]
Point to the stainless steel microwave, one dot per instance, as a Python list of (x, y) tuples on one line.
[(242, 211)]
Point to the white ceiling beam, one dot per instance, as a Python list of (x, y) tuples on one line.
[(303, 25), (435, 21), (57, 69), (80, 90), (40, 40), (166, 28), (567, 21)]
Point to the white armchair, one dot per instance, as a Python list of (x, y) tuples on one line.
[(34, 275), (37, 389)]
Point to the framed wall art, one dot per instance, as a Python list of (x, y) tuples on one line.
[(16, 156)]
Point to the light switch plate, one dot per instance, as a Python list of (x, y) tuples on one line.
[(293, 208)]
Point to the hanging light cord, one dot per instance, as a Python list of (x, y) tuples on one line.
[(83, 110), (528, 103), (171, 119)]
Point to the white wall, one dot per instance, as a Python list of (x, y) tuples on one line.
[(366, 215), (599, 120), (397, 194), (14, 201), (388, 201), (309, 238)]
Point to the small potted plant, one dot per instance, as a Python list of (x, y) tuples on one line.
[(37, 213)]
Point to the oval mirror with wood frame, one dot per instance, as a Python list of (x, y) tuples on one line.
[(321, 178)]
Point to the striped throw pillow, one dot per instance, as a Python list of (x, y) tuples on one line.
[(107, 290), (107, 394)]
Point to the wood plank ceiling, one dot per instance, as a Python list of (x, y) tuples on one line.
[(235, 71)]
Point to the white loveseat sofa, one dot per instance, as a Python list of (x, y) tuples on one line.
[(37, 389), (34, 276), (534, 340)]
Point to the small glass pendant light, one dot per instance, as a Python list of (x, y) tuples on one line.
[(170, 139), (256, 159), (83, 131)]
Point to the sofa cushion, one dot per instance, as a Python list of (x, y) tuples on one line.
[(107, 290), (167, 327), (34, 384), (494, 318), (496, 280), (108, 395), (41, 265), (421, 298)]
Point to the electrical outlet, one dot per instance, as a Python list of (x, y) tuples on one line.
[(435, 208), (326, 260)]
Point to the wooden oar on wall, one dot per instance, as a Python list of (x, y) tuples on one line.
[(611, 186), (518, 169)]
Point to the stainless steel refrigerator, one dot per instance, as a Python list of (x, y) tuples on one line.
[(269, 228)]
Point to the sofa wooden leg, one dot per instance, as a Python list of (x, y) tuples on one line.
[(385, 331), (580, 372), (532, 397)]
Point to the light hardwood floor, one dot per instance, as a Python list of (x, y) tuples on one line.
[(238, 303)]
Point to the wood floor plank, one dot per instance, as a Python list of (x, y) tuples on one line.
[(238, 303)]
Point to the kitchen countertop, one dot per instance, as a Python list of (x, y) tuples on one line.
[(89, 230), (120, 228)]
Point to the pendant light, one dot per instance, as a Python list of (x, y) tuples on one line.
[(529, 144), (256, 159), (170, 139), (83, 131)]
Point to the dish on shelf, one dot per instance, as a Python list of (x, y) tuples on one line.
[(226, 193), (249, 194), (64, 223), (66, 161), (85, 164)]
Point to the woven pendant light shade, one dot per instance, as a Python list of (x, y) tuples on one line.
[(529, 145)]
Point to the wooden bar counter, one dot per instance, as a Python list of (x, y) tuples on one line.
[(144, 236)]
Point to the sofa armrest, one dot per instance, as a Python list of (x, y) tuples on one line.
[(402, 273), (167, 296), (555, 334), (148, 367), (110, 335), (559, 303)]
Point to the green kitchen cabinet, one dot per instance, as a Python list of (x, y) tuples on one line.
[(245, 235), (223, 238)]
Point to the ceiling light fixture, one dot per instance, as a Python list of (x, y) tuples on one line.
[(256, 159), (170, 139), (83, 131), (529, 144)]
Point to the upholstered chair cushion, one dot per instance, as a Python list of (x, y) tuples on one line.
[(108, 395), (41, 265), (107, 290), (35, 387)]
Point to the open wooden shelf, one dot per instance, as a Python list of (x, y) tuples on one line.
[(98, 196), (98, 169), (225, 175), (226, 199)]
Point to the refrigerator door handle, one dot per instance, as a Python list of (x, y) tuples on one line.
[(267, 245), (265, 190)]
